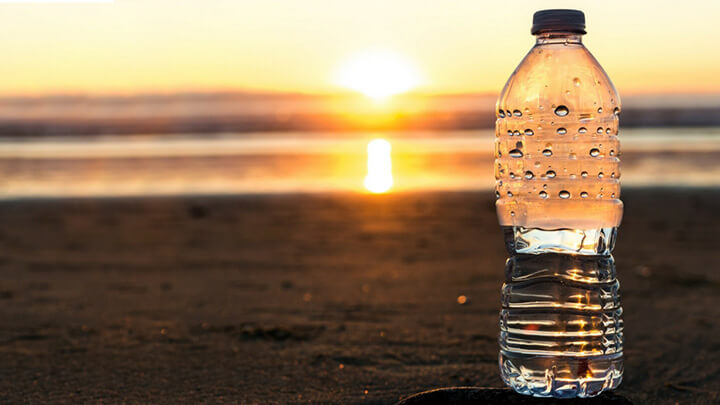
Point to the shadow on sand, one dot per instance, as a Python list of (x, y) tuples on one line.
[(477, 395)]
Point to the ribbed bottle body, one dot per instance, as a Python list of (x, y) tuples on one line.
[(561, 328)]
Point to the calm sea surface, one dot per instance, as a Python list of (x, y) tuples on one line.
[(313, 162)]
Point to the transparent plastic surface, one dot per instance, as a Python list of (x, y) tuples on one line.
[(557, 189), (556, 144), (561, 328)]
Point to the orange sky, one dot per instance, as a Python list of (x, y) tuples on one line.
[(132, 46)]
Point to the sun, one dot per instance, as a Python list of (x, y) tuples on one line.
[(378, 74)]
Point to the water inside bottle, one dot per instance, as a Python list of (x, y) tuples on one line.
[(561, 331)]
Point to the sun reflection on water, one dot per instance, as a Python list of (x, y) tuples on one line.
[(379, 177)]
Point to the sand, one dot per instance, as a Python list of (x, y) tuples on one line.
[(332, 298)]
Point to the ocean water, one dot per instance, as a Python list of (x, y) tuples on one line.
[(230, 163)]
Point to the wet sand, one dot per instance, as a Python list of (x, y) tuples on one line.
[(325, 298)]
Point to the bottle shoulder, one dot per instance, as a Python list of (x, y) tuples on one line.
[(551, 75)]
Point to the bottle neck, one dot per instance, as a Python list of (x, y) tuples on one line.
[(558, 37)]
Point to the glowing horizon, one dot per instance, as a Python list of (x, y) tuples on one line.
[(160, 46)]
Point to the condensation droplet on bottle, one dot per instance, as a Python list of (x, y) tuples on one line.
[(543, 194), (608, 130), (612, 175), (584, 194), (529, 175), (512, 213), (516, 153), (517, 113), (572, 156), (526, 110), (561, 131), (612, 195), (576, 82), (512, 175), (509, 132), (594, 152), (516, 132), (600, 110), (509, 194), (550, 174), (612, 152), (582, 130), (616, 111), (573, 176), (547, 152), (599, 130), (601, 175), (497, 195), (529, 132), (561, 111), (501, 113), (537, 164), (508, 113), (564, 194), (584, 174), (500, 183)]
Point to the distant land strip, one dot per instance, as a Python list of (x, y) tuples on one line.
[(438, 121)]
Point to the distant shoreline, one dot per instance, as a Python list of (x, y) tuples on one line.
[(437, 121), (268, 113)]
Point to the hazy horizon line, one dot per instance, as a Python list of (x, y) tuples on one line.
[(160, 94)]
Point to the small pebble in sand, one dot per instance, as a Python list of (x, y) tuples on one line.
[(462, 300), (644, 271)]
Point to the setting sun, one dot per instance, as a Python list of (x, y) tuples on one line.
[(379, 177), (378, 74)]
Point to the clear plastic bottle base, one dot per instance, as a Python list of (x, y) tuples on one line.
[(561, 377), (561, 327)]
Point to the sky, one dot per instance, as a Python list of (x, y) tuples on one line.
[(461, 46)]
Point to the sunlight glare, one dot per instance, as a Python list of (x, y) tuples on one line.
[(379, 176), (378, 74)]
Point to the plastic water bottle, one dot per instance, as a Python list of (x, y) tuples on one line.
[(557, 189)]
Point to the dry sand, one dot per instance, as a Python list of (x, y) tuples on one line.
[(320, 298)]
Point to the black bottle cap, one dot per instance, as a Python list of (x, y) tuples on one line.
[(558, 20)]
